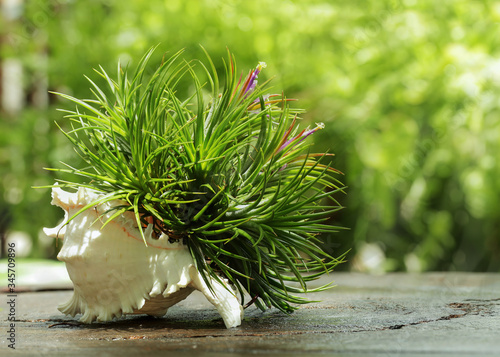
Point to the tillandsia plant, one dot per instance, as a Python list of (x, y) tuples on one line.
[(220, 195)]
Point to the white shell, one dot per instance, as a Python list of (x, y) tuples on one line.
[(115, 273)]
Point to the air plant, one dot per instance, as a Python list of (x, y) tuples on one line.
[(227, 182)]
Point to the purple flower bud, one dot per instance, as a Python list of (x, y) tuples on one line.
[(251, 81), (302, 136)]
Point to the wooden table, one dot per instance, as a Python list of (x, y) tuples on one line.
[(433, 314)]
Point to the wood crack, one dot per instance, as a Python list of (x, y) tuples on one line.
[(474, 307)]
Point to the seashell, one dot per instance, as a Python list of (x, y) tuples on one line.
[(115, 273)]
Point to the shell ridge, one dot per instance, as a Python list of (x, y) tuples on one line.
[(225, 302), (72, 306)]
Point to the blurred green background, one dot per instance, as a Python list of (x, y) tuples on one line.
[(409, 92)]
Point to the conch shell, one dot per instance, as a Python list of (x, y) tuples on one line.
[(115, 273)]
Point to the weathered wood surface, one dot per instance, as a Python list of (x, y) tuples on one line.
[(436, 314)]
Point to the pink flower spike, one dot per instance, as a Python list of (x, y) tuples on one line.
[(302, 136), (309, 132), (251, 81)]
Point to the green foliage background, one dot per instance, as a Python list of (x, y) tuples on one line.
[(408, 90)]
